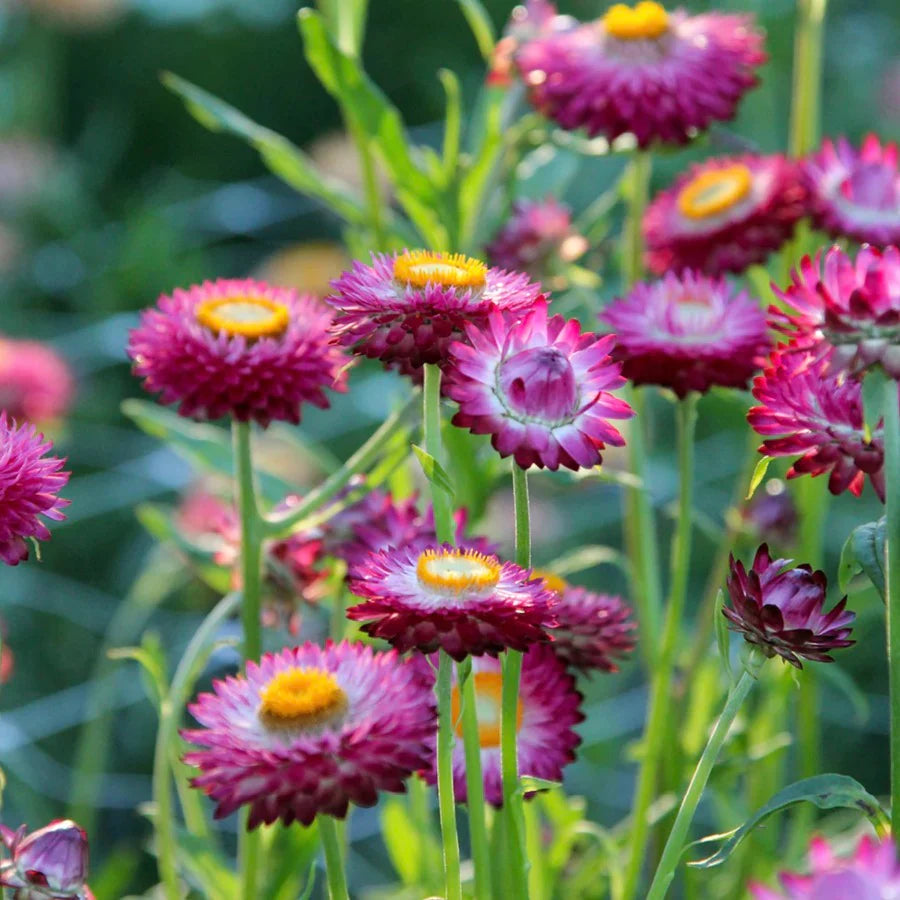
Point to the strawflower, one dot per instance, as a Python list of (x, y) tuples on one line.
[(36, 384), (311, 730), (51, 862)]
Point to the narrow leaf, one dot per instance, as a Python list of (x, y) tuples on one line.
[(481, 25), (433, 470), (863, 554), (403, 841), (758, 474), (723, 637)]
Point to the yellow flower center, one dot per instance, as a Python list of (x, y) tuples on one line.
[(644, 21), (252, 317), (489, 702), (417, 268), (551, 582), (456, 571), (301, 698), (714, 191)]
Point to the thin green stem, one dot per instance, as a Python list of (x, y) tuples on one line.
[(892, 575), (334, 858), (660, 707), (523, 516), (481, 853), (431, 417), (446, 800), (638, 185), (164, 823), (806, 88), (665, 871)]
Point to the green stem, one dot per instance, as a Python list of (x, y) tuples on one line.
[(523, 516), (660, 707), (665, 871), (807, 77), (892, 576), (334, 858), (638, 194), (446, 800), (481, 854), (431, 417)]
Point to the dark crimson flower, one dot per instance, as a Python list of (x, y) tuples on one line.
[(310, 730), (688, 333), (656, 75), (871, 873), (36, 384), (51, 862), (856, 193), (809, 408), (540, 388), (238, 348), (780, 610), (853, 305), (30, 482), (724, 215), (406, 309), (549, 708), (462, 601)]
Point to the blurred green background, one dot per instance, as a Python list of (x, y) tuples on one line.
[(111, 194)]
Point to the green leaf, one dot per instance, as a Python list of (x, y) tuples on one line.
[(758, 474), (433, 470), (152, 659), (206, 868), (403, 841), (533, 783), (863, 554), (825, 791), (723, 636), (481, 25), (586, 557), (452, 122)]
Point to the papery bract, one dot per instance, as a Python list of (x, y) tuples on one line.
[(51, 862)]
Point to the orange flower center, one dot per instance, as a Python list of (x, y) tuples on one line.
[(301, 697), (644, 21), (252, 317), (457, 571), (417, 268), (551, 582), (489, 702), (715, 191)]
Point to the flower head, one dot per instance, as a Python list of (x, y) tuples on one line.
[(688, 333), (36, 384), (540, 388), (856, 193), (853, 305), (808, 408), (724, 215), (871, 873), (549, 708), (51, 862), (640, 70), (30, 482), (406, 309), (593, 630), (238, 348), (462, 601), (310, 730), (781, 610)]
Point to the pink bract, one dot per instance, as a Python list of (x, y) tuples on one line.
[(36, 384), (51, 862)]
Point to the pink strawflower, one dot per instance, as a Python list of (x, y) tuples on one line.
[(30, 483), (36, 384), (405, 309), (851, 304), (809, 408), (688, 333), (540, 388), (781, 610), (856, 193), (51, 862), (871, 873), (593, 630), (549, 708), (239, 348), (537, 237), (462, 601), (724, 215), (657, 75), (310, 730)]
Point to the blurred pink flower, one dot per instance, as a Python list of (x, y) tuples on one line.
[(36, 383)]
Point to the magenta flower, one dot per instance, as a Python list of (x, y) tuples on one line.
[(657, 75), (724, 215), (851, 304), (872, 873), (549, 708), (538, 237), (30, 482), (856, 193), (36, 384), (51, 862), (540, 388), (311, 730), (462, 601), (688, 333), (809, 408), (238, 348), (406, 309), (781, 610)]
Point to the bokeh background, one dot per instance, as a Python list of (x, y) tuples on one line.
[(110, 194)]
